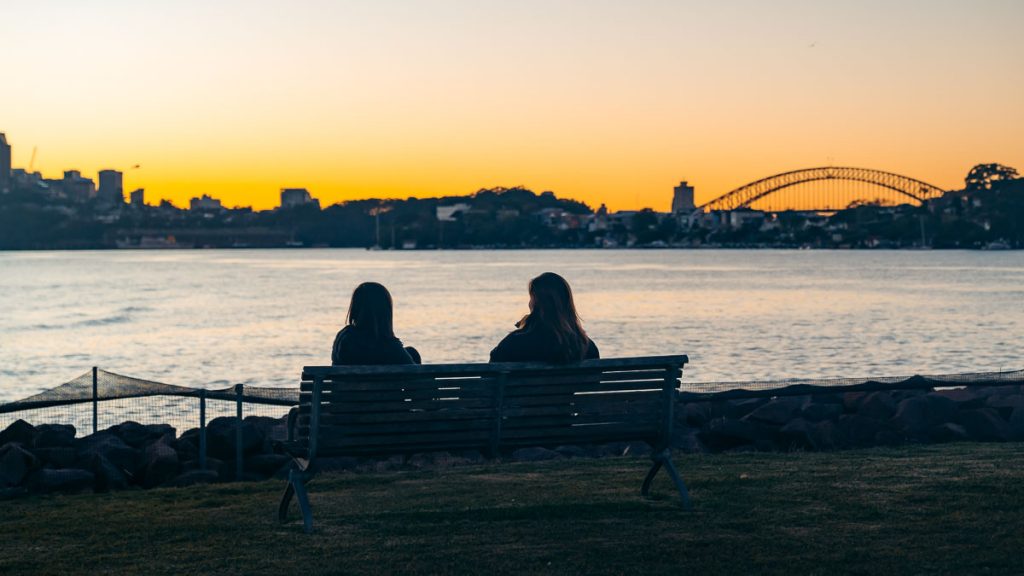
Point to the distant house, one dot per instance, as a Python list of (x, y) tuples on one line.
[(451, 213), (292, 197), (205, 203)]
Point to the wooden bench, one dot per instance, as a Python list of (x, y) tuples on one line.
[(493, 408)]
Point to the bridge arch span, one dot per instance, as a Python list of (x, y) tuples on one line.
[(911, 189)]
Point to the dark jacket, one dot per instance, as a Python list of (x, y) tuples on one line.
[(535, 344), (355, 347)]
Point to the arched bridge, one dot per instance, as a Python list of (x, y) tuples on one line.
[(897, 188)]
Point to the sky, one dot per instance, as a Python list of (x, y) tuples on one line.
[(601, 101)]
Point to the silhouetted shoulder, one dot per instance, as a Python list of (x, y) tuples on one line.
[(354, 347), (534, 345)]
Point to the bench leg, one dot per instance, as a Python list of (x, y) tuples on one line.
[(296, 487), (286, 500), (664, 458), (303, 499)]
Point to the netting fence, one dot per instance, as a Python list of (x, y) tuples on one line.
[(100, 399)]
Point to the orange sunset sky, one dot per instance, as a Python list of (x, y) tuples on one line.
[(601, 101)]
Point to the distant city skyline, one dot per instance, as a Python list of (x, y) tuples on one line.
[(601, 102)]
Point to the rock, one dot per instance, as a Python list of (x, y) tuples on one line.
[(941, 408), (948, 432), (193, 477), (1004, 404), (1016, 425), (185, 448), (815, 411), (54, 436), (107, 475), (536, 454), (637, 449), (572, 451), (159, 464), (826, 435), (913, 416), (853, 400), (19, 431), (272, 428), (727, 433), (141, 435), (109, 446), (15, 464), (696, 413), (859, 430), (740, 408), (778, 411), (796, 434), (985, 425), (68, 480), (221, 434), (917, 415), (57, 457), (878, 405), (686, 440), (266, 464), (965, 398)]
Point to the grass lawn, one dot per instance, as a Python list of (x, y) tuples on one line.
[(917, 510)]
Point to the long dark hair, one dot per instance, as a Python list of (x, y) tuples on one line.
[(552, 308), (371, 309)]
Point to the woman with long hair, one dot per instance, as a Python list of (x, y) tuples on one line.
[(551, 332), (369, 336)]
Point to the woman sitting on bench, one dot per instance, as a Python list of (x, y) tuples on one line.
[(551, 332), (369, 336)]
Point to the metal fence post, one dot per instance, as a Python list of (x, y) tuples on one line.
[(95, 395), (202, 429), (239, 388)]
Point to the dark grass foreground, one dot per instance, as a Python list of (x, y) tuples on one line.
[(920, 510)]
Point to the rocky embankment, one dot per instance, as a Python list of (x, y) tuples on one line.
[(51, 458), (831, 421)]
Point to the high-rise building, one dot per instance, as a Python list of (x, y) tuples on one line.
[(5, 164), (682, 199), (297, 197), (77, 188), (111, 187), (138, 198)]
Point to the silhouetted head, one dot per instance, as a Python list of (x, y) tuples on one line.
[(552, 307), (371, 309)]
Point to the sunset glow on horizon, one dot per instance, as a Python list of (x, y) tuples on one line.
[(603, 102)]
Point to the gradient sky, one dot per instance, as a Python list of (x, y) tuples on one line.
[(600, 101)]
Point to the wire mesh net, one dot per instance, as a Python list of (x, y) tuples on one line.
[(114, 398)]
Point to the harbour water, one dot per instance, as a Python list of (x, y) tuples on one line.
[(214, 318)]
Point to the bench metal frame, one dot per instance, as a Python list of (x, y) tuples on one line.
[(598, 384)]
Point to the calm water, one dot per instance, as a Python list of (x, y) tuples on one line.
[(213, 318)]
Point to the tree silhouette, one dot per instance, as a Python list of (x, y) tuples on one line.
[(982, 176)]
